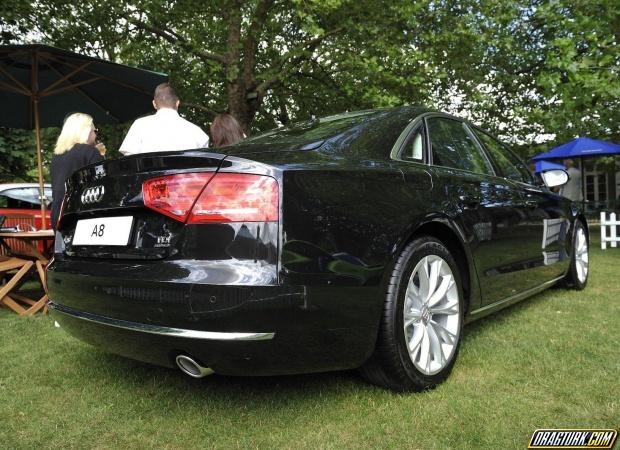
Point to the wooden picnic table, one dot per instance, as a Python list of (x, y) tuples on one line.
[(29, 238), (8, 265)]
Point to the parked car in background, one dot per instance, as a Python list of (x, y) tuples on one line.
[(362, 240), (24, 199)]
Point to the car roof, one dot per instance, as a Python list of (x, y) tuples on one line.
[(326, 132), (7, 186)]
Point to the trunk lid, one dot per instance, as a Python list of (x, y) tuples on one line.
[(114, 189)]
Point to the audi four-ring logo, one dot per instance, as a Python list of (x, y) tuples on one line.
[(92, 195)]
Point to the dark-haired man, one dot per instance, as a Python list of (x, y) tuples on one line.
[(165, 130)]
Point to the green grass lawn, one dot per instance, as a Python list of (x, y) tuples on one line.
[(551, 361)]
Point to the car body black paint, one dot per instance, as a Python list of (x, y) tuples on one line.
[(317, 278)]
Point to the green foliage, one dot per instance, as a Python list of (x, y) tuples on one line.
[(18, 158), (523, 69), (580, 77), (14, 156), (303, 58)]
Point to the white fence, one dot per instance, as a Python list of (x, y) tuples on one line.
[(612, 236)]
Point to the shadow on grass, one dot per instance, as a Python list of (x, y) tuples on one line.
[(237, 388), (234, 389), (507, 314)]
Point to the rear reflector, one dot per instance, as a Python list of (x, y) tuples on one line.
[(213, 198), (174, 195), (237, 197)]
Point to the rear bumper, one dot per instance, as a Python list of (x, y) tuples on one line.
[(140, 313), (160, 330), (225, 353)]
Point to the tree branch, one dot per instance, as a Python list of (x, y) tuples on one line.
[(176, 39), (236, 99), (305, 47), (251, 42), (204, 109), (327, 74), (233, 15), (283, 115)]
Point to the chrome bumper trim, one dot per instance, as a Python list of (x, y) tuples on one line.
[(160, 330)]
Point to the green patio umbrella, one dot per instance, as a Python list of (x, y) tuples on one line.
[(40, 85)]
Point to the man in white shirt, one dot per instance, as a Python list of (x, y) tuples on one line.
[(165, 130)]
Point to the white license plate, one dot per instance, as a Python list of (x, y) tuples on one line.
[(103, 231)]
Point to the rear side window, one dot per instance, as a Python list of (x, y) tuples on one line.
[(510, 166), (453, 147), (413, 150)]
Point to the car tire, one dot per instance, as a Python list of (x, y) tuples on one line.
[(577, 274), (420, 329)]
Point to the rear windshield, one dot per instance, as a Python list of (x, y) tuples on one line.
[(310, 131)]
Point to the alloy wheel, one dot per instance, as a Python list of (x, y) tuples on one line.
[(431, 315), (581, 255)]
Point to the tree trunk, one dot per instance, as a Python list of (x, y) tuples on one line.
[(244, 109)]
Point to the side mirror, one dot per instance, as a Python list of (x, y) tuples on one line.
[(555, 177)]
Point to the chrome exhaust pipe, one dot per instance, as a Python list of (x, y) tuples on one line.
[(190, 367)]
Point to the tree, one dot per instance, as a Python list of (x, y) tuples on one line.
[(18, 160), (547, 67), (523, 69), (582, 66), (267, 60)]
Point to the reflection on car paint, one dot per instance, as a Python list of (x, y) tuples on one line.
[(554, 257), (554, 230), (483, 230), (305, 257)]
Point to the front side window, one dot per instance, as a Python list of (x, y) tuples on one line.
[(453, 147), (510, 166)]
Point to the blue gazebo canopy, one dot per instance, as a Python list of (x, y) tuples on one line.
[(582, 147), (543, 166)]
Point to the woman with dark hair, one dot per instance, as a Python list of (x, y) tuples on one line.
[(225, 130)]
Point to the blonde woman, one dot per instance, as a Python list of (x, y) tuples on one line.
[(75, 148)]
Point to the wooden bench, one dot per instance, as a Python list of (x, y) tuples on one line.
[(12, 273)]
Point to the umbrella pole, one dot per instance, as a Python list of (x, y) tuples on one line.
[(37, 130), (39, 162)]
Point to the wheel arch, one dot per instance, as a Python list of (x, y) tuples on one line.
[(448, 232), (576, 216), (582, 218)]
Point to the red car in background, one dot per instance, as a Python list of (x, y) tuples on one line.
[(23, 199)]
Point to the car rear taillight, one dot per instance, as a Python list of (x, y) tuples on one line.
[(209, 198), (237, 197), (174, 195)]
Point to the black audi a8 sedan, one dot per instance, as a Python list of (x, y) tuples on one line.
[(361, 240)]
